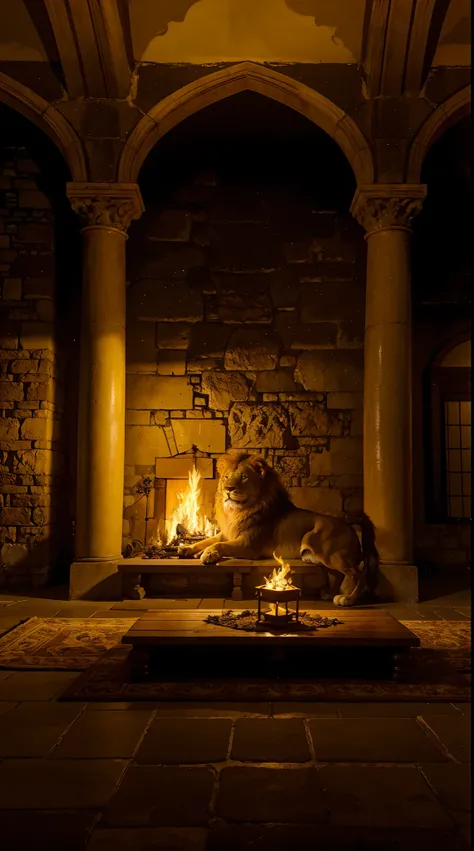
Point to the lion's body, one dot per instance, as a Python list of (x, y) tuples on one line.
[(257, 518)]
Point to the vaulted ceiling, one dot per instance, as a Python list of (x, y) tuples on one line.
[(94, 46)]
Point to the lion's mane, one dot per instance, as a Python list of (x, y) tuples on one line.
[(271, 505)]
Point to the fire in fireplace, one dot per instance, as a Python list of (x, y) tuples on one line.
[(187, 523)]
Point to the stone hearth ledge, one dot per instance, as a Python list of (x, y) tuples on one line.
[(107, 580)]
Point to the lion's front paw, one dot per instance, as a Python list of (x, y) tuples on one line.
[(210, 556), (342, 600), (185, 552)]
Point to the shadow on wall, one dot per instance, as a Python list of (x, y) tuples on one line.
[(201, 31), (39, 277)]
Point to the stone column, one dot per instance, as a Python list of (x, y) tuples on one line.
[(106, 211), (385, 212)]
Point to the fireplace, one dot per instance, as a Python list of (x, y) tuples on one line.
[(185, 489)]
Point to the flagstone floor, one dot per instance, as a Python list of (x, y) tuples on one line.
[(222, 777)]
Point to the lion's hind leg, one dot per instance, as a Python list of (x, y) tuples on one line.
[(352, 583), (310, 553)]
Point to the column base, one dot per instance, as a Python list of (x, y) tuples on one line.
[(397, 583), (95, 580)]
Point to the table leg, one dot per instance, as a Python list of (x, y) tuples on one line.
[(237, 587), (139, 664)]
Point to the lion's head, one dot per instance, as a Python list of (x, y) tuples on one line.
[(246, 485)]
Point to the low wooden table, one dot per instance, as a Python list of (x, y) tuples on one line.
[(364, 645)]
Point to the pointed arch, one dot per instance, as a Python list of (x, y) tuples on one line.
[(48, 119), (444, 116), (246, 76)]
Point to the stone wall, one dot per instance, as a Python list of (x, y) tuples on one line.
[(245, 324), (30, 385)]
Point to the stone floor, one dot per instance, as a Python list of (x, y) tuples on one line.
[(222, 777)]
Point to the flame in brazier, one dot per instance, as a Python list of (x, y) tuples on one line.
[(280, 580)]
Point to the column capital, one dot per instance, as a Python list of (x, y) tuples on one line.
[(380, 206), (111, 205)]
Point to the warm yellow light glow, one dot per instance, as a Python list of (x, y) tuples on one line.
[(188, 514), (280, 580)]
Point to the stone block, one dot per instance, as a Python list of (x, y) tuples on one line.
[(11, 391), (13, 554), (284, 289), (23, 366), (397, 583), (331, 371), (208, 341), (171, 226), (270, 740), (11, 289), (207, 435), (241, 305), (291, 466), (258, 426), (8, 336), (137, 418), (174, 741), (165, 261), (165, 301), (248, 247), (171, 362), (38, 288), (37, 461), (316, 499), (275, 381), (345, 401), (144, 443), (319, 335), (33, 266), (250, 794), (252, 349), (95, 581), (223, 388), (332, 301), (383, 797), (44, 391), (344, 456), (308, 419), (9, 429), (174, 335), (297, 252), (41, 234), (15, 517), (37, 335), (141, 347), (135, 802), (40, 428), (351, 333), (33, 198), (145, 392)]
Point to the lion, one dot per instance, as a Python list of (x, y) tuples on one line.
[(257, 518)]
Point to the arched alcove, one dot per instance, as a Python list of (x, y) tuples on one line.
[(246, 289), (245, 76)]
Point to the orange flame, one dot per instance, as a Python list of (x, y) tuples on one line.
[(280, 580), (188, 514)]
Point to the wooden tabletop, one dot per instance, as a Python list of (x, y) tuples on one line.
[(359, 628)]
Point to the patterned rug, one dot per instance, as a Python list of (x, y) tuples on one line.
[(61, 644), (438, 671)]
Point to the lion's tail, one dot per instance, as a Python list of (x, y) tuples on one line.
[(369, 549)]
